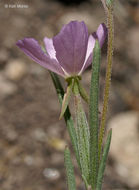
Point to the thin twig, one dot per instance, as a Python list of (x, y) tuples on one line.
[(108, 75)]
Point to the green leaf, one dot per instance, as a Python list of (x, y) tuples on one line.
[(66, 98), (67, 116), (103, 161), (85, 181), (69, 170), (82, 132), (93, 115)]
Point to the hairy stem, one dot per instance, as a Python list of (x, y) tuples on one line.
[(109, 12)]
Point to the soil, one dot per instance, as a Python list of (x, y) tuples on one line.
[(32, 138)]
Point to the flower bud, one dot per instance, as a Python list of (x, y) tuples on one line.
[(109, 3)]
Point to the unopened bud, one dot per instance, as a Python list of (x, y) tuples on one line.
[(109, 3)]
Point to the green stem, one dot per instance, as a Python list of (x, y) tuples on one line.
[(108, 76)]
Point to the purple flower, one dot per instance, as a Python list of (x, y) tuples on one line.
[(69, 53)]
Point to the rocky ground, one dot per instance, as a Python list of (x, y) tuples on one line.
[(32, 138)]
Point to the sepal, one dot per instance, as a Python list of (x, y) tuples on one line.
[(66, 98)]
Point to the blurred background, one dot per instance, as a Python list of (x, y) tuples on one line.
[(32, 139)]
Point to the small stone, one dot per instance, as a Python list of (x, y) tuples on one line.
[(4, 55), (125, 146), (29, 160), (133, 40), (11, 135), (51, 173), (7, 88), (15, 69), (39, 135), (57, 144), (16, 160)]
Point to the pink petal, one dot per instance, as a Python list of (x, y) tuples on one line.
[(71, 46), (32, 49), (90, 47), (101, 35), (50, 47)]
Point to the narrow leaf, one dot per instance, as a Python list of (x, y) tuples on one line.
[(85, 181), (67, 115), (69, 170), (93, 115), (66, 99), (82, 132), (103, 161)]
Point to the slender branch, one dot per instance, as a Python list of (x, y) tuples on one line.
[(108, 75)]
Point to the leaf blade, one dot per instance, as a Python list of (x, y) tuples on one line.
[(82, 132), (69, 170), (103, 161), (93, 115)]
